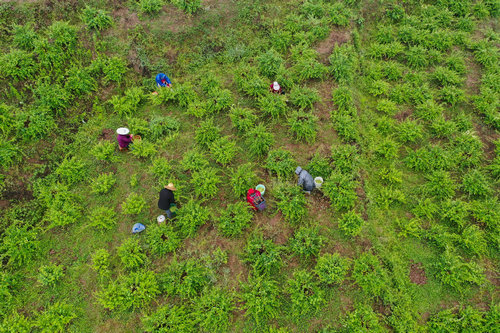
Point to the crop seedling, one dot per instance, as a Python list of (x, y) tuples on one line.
[(105, 151), (55, 318), (186, 278), (191, 216), (143, 149), (214, 308), (263, 255), (24, 36), (188, 6), (127, 105), (369, 275), (150, 6), (19, 245), (442, 128), (262, 299), (207, 132), (345, 158), (455, 212), (303, 125), (223, 150), (273, 105), (270, 63), (96, 19), (194, 160), (161, 169), (457, 273), (476, 184), (63, 209), (341, 191), (131, 254), (304, 97), (305, 294), (103, 183), (162, 239), (410, 131), (102, 218), (346, 127), (206, 182), (243, 178), (243, 119), (50, 275), (474, 241), (281, 163), (80, 82), (306, 242), (351, 223), (233, 220), (332, 268), (53, 97), (133, 204), (162, 127), (343, 62), (100, 262), (363, 318), (259, 140), (177, 317), (291, 202)]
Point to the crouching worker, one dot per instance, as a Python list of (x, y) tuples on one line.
[(256, 200), (306, 181), (167, 200), (275, 88), (162, 80), (124, 138)]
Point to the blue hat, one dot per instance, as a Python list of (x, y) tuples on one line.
[(138, 227)]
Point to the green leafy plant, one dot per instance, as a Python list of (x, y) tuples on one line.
[(262, 299), (55, 318), (19, 245), (234, 219), (143, 149), (186, 278), (50, 275), (160, 127), (161, 169), (280, 162), (72, 170), (340, 189), (24, 36), (304, 97), (100, 262), (9, 153), (194, 160), (270, 63), (273, 105), (243, 178), (369, 275), (178, 318), (410, 131), (206, 182), (351, 223), (305, 294), (332, 268), (133, 204), (189, 6), (103, 183), (162, 239), (474, 240), (213, 310), (191, 216), (105, 151), (102, 217), (127, 105), (223, 150), (96, 19), (346, 127), (363, 319), (263, 255), (343, 63), (131, 254), (345, 158), (207, 132), (306, 242), (476, 184), (291, 202), (17, 64), (440, 185), (303, 125), (243, 119), (453, 271), (259, 140), (150, 6)]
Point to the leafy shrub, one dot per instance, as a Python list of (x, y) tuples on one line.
[(103, 183), (16, 323), (445, 76), (452, 95), (343, 63), (273, 105), (342, 97), (363, 319), (19, 245), (24, 36), (387, 106), (467, 149), (127, 105), (161, 169), (261, 298), (234, 219), (442, 128), (474, 241), (345, 158), (17, 64), (176, 317), (369, 275), (9, 153), (63, 209), (72, 170), (280, 162), (263, 255), (206, 182), (417, 57), (243, 179), (52, 97), (104, 151), (134, 204), (242, 118), (410, 131), (194, 160), (486, 54), (102, 217), (429, 158), (270, 63), (319, 166), (143, 149), (476, 184), (150, 6), (440, 185), (486, 212), (305, 294), (346, 127), (96, 19), (306, 68), (49, 275), (214, 310), (467, 318), (455, 212), (306, 242), (162, 239), (114, 68), (387, 149), (259, 140), (340, 189), (339, 14), (304, 97), (351, 223), (332, 268), (456, 273), (223, 150), (131, 254), (189, 6), (207, 132), (100, 262), (304, 125), (291, 202), (191, 216), (80, 82), (163, 127), (55, 318), (186, 278), (249, 81)]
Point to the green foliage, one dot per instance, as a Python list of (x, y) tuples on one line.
[(304, 97), (223, 150), (369, 275), (9, 153), (291, 202), (52, 97), (305, 294), (273, 105), (150, 6), (189, 6), (127, 105), (18, 65), (387, 106), (234, 219), (214, 310), (80, 82), (113, 69), (307, 66), (351, 223), (259, 140), (462, 320), (165, 126), (243, 178), (263, 255), (410, 131), (475, 183), (343, 63), (131, 254), (96, 19), (453, 271), (103, 183), (174, 318), (281, 163), (442, 128), (440, 185), (341, 189), (134, 204), (319, 166), (306, 242), (55, 318), (303, 125), (262, 299), (19, 245), (346, 127), (161, 169), (105, 151), (24, 36), (162, 239), (242, 118), (63, 208), (72, 170), (100, 262), (363, 319), (102, 217), (143, 149), (207, 132), (467, 149), (186, 278), (345, 158), (486, 212), (206, 182), (49, 275), (191, 216), (332, 268), (387, 149), (15, 323), (270, 63), (474, 240), (249, 82), (194, 160), (455, 212)]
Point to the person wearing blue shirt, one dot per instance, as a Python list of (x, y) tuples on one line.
[(162, 80)]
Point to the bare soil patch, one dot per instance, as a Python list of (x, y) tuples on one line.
[(336, 38), (473, 78), (417, 274), (401, 116), (125, 18), (488, 137), (107, 134), (324, 106)]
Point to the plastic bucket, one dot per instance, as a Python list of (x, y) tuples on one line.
[(261, 188), (318, 181)]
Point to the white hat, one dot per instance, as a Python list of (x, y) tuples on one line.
[(160, 219), (123, 131), (276, 86)]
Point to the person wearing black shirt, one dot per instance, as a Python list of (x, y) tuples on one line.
[(167, 199)]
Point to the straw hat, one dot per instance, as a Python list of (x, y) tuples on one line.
[(170, 187), (122, 131)]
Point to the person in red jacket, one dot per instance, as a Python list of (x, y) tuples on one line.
[(275, 88), (124, 138)]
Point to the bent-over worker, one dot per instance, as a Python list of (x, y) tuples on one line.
[(275, 88), (162, 80), (124, 137), (167, 199), (305, 180)]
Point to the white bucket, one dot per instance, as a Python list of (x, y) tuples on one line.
[(261, 188), (160, 219), (318, 181)]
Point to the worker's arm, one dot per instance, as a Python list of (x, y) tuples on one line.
[(168, 80), (301, 180)]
